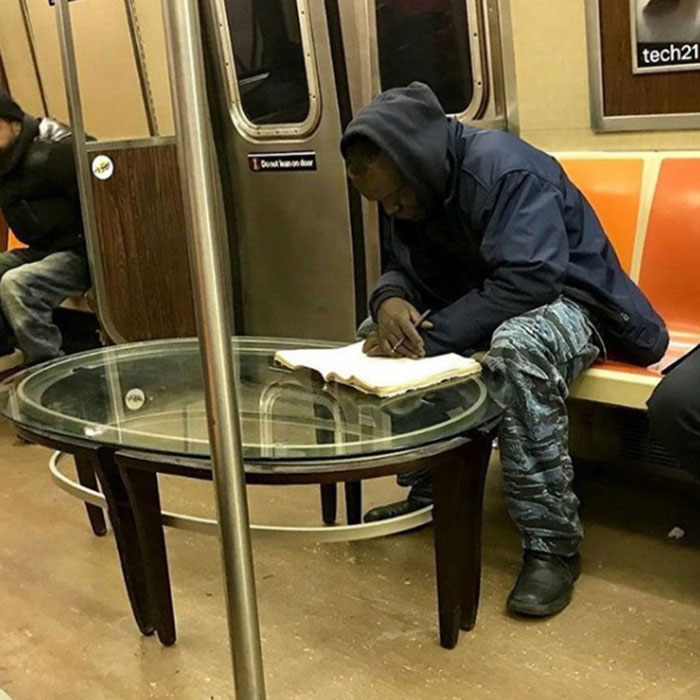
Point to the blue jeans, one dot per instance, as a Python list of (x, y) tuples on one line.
[(32, 284)]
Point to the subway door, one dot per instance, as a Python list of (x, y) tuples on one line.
[(278, 87), (460, 48)]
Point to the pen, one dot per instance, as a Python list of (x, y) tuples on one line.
[(424, 315)]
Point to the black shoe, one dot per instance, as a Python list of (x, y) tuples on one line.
[(392, 510), (545, 584)]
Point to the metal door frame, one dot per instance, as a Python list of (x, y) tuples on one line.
[(263, 132)]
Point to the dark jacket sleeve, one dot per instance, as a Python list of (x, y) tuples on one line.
[(61, 169), (393, 283), (525, 246)]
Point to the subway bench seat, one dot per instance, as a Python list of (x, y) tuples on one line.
[(649, 204)]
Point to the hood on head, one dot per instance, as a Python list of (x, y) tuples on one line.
[(409, 125), (9, 109), (10, 158)]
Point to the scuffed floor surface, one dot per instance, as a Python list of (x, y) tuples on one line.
[(345, 621)]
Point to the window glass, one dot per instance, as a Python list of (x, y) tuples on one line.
[(269, 60), (427, 40)]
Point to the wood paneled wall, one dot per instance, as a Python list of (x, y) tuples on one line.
[(143, 245)]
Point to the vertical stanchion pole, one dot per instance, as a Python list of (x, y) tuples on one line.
[(87, 202), (200, 184), (141, 66)]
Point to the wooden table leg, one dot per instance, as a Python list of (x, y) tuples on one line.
[(353, 502), (458, 481), (87, 478), (472, 499), (329, 492), (123, 523), (142, 490), (329, 503)]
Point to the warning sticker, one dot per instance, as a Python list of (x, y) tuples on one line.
[(289, 161)]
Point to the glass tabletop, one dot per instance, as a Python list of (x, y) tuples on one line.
[(150, 396)]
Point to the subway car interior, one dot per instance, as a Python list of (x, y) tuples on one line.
[(347, 349)]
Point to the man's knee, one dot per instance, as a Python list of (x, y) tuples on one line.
[(13, 285), (518, 347), (516, 335)]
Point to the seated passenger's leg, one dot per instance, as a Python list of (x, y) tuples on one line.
[(28, 295), (674, 412), (9, 260), (533, 359), (420, 494)]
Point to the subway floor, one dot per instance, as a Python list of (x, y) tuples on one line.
[(350, 620)]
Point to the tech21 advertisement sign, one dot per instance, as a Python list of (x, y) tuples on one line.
[(665, 35)]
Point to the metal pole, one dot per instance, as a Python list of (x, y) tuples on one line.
[(141, 66), (207, 254), (87, 202)]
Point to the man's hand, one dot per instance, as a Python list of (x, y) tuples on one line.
[(396, 318), (372, 346)]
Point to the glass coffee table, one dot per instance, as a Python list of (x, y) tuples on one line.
[(131, 412)]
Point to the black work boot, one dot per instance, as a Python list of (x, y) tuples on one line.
[(545, 584), (392, 510)]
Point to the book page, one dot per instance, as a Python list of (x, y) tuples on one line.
[(381, 375), (326, 361)]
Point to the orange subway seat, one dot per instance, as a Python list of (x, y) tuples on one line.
[(13, 242), (671, 258), (613, 188)]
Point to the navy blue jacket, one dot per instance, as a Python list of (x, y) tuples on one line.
[(508, 233)]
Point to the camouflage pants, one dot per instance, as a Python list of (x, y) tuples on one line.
[(531, 363)]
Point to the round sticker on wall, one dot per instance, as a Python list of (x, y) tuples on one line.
[(102, 167), (134, 399)]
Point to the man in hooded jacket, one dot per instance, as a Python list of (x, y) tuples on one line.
[(40, 201), (489, 233)]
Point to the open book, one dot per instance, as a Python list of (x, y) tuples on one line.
[(382, 376)]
